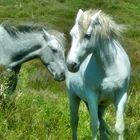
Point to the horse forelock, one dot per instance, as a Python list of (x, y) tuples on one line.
[(106, 27), (59, 37)]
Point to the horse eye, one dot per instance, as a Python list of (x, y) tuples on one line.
[(87, 36), (54, 50)]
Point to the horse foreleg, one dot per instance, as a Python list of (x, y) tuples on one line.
[(120, 107), (13, 79), (12, 84), (93, 110), (103, 129), (74, 107)]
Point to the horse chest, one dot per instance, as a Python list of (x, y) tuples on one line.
[(75, 85)]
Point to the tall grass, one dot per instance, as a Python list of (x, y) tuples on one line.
[(38, 110)]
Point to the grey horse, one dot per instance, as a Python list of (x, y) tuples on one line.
[(21, 43)]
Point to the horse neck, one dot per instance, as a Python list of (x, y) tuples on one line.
[(26, 47), (28, 42), (106, 53)]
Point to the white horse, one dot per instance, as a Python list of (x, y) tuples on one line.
[(19, 44), (101, 71)]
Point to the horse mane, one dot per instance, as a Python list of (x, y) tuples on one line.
[(14, 29), (105, 28)]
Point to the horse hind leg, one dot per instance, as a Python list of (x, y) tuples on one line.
[(120, 107), (102, 125), (102, 128)]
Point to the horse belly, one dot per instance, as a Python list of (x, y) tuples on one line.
[(106, 98)]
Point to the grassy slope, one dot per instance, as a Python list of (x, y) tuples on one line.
[(39, 108)]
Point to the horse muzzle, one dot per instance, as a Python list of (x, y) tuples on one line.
[(73, 66), (59, 77)]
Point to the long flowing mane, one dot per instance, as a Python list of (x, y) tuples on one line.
[(105, 28)]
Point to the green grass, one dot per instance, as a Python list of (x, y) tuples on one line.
[(39, 108)]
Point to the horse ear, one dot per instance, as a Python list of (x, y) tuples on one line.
[(46, 34), (79, 14), (94, 20)]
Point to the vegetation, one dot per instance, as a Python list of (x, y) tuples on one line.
[(38, 110)]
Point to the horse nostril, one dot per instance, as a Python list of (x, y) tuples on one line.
[(72, 66), (62, 74)]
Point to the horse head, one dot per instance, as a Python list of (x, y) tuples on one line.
[(83, 40), (52, 54)]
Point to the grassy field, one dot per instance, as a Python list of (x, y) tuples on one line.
[(38, 110)]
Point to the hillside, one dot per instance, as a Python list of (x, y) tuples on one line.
[(38, 110)]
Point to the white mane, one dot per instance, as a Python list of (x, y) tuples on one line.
[(106, 26)]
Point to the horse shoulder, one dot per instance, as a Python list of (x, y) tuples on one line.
[(114, 81), (118, 73)]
